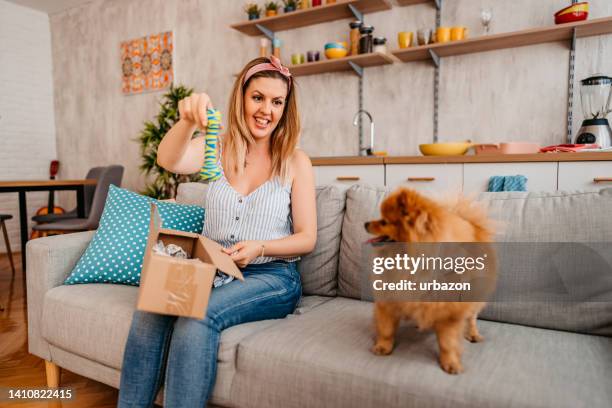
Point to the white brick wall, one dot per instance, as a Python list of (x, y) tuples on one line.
[(27, 125)]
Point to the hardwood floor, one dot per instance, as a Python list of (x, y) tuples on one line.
[(18, 368)]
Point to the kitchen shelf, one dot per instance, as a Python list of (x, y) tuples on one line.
[(311, 16), (342, 64), (490, 158), (507, 40), (411, 2)]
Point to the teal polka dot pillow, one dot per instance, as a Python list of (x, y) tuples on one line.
[(116, 252)]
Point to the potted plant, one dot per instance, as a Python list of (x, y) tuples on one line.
[(290, 5), (271, 8), (253, 10)]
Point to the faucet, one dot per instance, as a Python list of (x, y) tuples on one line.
[(368, 150)]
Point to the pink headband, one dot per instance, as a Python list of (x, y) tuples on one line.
[(273, 65)]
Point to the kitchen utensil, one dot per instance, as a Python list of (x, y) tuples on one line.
[(595, 95), (337, 44), (458, 33), (355, 36), (297, 59), (380, 45), (264, 47), (423, 36), (571, 17), (312, 56), (507, 148), (486, 15), (333, 53), (445, 149), (443, 34), (574, 8), (366, 42), (404, 39)]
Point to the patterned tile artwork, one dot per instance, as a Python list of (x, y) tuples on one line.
[(146, 63)]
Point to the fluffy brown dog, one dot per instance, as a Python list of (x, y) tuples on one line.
[(408, 216)]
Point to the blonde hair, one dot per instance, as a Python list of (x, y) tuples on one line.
[(238, 138)]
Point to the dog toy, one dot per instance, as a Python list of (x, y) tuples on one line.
[(210, 170)]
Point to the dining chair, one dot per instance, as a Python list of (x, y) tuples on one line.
[(94, 174), (111, 175), (4, 217)]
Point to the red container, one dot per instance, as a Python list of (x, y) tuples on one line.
[(571, 17), (316, 3)]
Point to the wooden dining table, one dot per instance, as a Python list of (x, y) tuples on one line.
[(23, 186)]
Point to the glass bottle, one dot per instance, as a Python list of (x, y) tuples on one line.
[(366, 42)]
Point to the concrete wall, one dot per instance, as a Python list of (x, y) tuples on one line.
[(506, 95), (27, 127)]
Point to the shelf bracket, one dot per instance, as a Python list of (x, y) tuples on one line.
[(358, 69), (570, 93), (358, 14), (438, 4), (265, 31), (435, 58)]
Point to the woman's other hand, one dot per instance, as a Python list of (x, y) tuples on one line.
[(192, 109), (244, 252)]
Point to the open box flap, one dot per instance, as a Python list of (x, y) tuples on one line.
[(220, 259), (155, 224), (178, 233)]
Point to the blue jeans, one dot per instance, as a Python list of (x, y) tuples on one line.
[(269, 291)]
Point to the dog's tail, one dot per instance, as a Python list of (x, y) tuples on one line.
[(475, 214)]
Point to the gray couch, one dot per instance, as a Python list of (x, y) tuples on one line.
[(542, 354)]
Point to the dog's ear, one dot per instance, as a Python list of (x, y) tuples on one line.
[(403, 202)]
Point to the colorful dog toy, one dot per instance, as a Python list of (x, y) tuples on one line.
[(210, 170)]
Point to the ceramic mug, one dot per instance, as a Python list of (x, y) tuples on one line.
[(404, 39), (297, 59), (443, 34), (459, 33), (423, 36)]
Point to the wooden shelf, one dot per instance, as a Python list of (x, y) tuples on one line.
[(492, 158), (402, 3), (342, 64), (508, 40), (311, 16)]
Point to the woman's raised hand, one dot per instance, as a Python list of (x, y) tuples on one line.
[(193, 109)]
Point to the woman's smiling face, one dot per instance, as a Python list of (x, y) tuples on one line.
[(264, 104)]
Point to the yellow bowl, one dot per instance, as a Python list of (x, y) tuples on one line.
[(445, 149), (333, 53)]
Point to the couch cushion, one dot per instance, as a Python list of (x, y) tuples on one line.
[(116, 252), (322, 359), (362, 204), (319, 269), (548, 218), (93, 321)]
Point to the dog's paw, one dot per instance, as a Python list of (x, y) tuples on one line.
[(381, 349), (451, 365), (474, 337)]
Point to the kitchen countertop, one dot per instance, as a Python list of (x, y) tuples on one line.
[(499, 158)]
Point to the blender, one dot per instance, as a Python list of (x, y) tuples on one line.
[(595, 94)]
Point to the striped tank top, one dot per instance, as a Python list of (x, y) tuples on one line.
[(262, 215)]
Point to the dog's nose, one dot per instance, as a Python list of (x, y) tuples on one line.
[(366, 225)]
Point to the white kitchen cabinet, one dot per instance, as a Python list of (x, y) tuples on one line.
[(430, 178), (591, 175), (347, 175), (541, 176)]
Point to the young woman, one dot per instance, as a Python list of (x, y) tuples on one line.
[(261, 209)]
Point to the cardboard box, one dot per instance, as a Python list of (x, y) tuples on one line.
[(180, 287)]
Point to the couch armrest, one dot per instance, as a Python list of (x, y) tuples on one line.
[(49, 262)]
